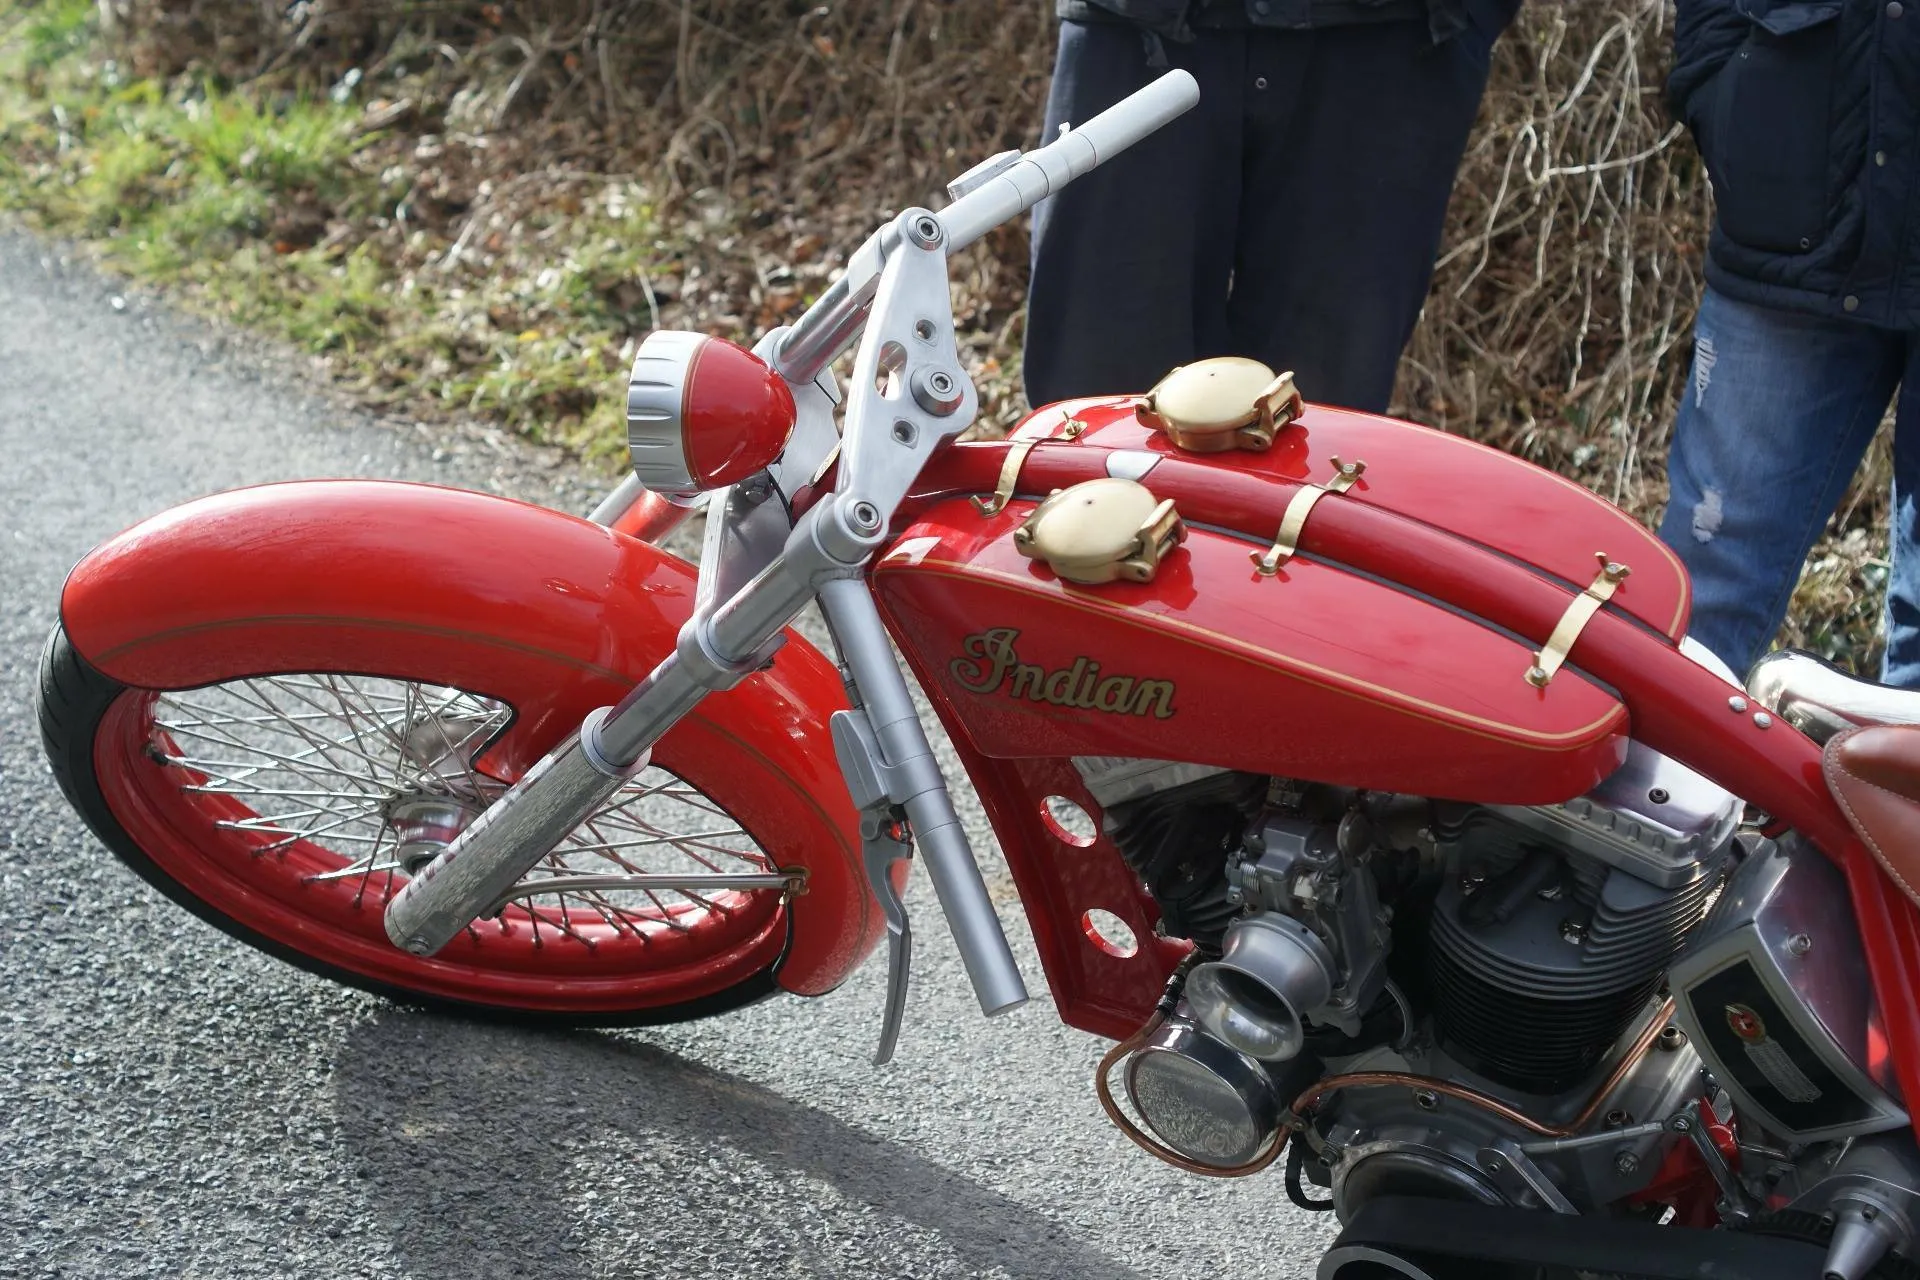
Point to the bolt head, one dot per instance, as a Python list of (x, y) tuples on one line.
[(924, 230), (1626, 1162), (938, 391)]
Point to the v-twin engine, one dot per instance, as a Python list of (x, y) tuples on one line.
[(1506, 964)]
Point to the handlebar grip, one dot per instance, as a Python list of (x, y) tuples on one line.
[(1039, 174), (1137, 115)]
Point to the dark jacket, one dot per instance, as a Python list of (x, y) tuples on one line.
[(1174, 19), (1807, 114)]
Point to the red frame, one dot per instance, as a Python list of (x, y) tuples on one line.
[(1675, 706)]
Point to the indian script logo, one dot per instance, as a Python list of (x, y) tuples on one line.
[(991, 663)]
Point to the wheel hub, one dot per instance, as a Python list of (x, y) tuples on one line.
[(424, 824)]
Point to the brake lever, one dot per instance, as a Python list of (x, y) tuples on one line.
[(881, 848), (881, 845)]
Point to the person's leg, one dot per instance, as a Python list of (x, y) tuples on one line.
[(1778, 410), (1901, 619), (1353, 140), (1131, 262)]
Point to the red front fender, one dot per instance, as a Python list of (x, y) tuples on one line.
[(379, 577)]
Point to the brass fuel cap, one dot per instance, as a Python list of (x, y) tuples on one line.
[(1101, 530), (1228, 402)]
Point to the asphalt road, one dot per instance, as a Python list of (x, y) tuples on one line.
[(173, 1104)]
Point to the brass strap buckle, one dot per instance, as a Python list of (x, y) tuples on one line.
[(1010, 469), (1287, 541), (1579, 612), (1009, 474)]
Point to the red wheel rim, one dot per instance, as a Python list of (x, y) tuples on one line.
[(186, 775)]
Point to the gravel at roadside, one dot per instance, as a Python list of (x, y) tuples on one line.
[(177, 1105)]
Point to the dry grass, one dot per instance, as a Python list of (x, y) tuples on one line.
[(761, 139)]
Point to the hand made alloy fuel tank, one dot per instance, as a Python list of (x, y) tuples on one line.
[(1314, 670)]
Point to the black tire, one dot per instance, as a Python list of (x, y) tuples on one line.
[(73, 698)]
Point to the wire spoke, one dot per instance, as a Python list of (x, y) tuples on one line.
[(336, 764)]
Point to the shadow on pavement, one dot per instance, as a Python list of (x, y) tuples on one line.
[(488, 1151)]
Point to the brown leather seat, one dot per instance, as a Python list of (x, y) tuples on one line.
[(1874, 772)]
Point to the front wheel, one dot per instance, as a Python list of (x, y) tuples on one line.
[(288, 808)]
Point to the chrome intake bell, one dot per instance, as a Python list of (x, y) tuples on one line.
[(1271, 971)]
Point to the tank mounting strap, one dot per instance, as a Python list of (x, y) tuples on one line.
[(1010, 468), (1009, 476), (1287, 541), (1579, 612)]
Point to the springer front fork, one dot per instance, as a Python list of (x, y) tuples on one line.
[(883, 754), (757, 572), (882, 746)]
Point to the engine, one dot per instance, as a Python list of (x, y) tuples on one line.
[(1518, 953), (1555, 925)]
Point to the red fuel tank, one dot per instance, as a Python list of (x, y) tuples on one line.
[(1318, 671)]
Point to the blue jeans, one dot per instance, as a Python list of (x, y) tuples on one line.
[(1777, 414)]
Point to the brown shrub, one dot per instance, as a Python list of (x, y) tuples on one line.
[(775, 133)]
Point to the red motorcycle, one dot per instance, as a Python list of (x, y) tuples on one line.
[(1358, 780)]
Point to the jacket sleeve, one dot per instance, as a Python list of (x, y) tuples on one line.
[(1705, 35)]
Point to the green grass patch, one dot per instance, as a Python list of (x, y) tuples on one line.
[(290, 211)]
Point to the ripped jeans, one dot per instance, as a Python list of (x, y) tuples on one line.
[(1778, 411)]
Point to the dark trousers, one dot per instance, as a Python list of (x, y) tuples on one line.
[(1293, 216)]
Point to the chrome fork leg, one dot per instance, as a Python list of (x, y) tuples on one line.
[(904, 770), (716, 650)]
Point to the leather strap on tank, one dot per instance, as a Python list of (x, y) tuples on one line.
[(1002, 494), (1579, 612), (1010, 468), (1287, 541)]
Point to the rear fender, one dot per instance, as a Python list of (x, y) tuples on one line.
[(392, 579)]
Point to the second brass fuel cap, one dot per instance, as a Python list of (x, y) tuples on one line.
[(1228, 402)]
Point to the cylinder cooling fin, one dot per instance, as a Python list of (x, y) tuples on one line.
[(1177, 841), (1540, 962)]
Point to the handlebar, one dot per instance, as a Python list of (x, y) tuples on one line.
[(1039, 174), (820, 335)]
